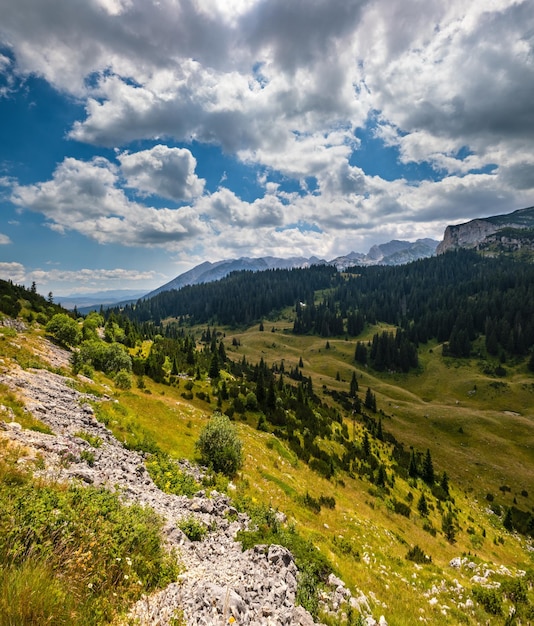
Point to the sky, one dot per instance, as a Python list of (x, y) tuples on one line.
[(139, 138)]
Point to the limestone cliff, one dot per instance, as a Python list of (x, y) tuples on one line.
[(472, 234)]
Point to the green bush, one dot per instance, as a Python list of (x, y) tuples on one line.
[(401, 508), (123, 379), (219, 446), (192, 528), (92, 440), (88, 457), (64, 329), (490, 599)]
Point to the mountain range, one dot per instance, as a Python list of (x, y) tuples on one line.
[(507, 232), (392, 253)]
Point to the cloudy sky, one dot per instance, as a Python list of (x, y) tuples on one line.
[(139, 138)]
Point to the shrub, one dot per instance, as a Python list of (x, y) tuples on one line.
[(515, 590), (88, 457), (490, 599), (328, 501), (219, 446), (251, 402), (167, 475), (311, 503), (92, 440), (401, 508), (417, 555), (123, 379), (64, 329), (75, 555), (192, 528)]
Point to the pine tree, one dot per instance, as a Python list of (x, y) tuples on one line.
[(370, 400), (428, 469), (445, 483), (381, 476), (448, 527), (508, 522), (379, 433), (422, 505), (214, 372), (271, 395), (366, 446), (353, 385), (413, 471)]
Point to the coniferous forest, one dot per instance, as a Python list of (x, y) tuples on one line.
[(453, 298)]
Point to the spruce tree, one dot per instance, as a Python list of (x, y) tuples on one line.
[(353, 385), (448, 527), (508, 521), (379, 433), (445, 483), (428, 469), (381, 476), (422, 505), (366, 446), (412, 469), (214, 367)]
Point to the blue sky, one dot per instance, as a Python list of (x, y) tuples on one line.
[(138, 139)]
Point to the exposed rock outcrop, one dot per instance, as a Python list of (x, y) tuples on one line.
[(472, 234), (255, 587), (466, 235)]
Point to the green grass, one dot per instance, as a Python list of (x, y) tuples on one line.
[(73, 555)]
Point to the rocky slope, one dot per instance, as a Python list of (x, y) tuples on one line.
[(220, 584)]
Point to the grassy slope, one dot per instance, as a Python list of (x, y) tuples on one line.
[(494, 449)]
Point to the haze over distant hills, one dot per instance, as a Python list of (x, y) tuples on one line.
[(391, 253)]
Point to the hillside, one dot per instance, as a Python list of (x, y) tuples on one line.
[(328, 443)]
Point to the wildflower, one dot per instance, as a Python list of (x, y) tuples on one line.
[(126, 577)]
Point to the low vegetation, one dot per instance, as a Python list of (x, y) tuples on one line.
[(73, 555)]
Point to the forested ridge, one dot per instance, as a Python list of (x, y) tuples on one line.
[(238, 299), (452, 298)]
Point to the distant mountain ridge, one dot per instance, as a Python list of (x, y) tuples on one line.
[(392, 253), (484, 231)]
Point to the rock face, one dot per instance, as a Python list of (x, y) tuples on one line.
[(472, 234), (466, 235)]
